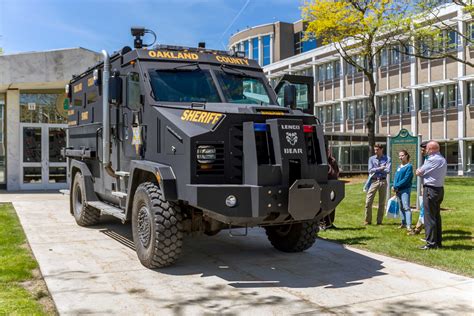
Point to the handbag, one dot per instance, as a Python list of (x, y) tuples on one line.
[(393, 207)]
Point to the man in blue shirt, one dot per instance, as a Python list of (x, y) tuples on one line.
[(433, 173), (379, 167)]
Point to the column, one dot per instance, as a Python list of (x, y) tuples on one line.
[(462, 94), (13, 139), (260, 51), (250, 56), (342, 93), (271, 48)]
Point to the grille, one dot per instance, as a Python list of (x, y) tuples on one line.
[(212, 169), (236, 154)]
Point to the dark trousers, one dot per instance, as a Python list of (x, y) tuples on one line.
[(432, 198)]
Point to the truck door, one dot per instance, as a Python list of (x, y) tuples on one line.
[(304, 91)]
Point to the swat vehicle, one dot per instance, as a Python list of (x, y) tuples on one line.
[(178, 140)]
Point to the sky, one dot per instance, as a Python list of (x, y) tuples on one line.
[(38, 25)]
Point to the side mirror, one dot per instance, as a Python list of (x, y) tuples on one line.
[(133, 91), (289, 96), (115, 89)]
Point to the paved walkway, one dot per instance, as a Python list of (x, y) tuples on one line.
[(96, 271)]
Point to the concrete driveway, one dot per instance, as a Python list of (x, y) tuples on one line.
[(96, 271)]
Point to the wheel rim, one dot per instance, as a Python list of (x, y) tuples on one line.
[(144, 226), (77, 199), (283, 230)]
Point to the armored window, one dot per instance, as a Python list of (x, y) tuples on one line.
[(239, 88), (183, 86)]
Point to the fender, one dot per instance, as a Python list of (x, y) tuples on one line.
[(140, 171), (76, 166)]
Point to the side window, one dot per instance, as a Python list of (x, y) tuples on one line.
[(301, 95), (133, 91)]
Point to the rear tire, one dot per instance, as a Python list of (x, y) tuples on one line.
[(84, 215), (156, 226), (293, 237)]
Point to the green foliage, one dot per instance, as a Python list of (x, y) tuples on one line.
[(16, 265), (457, 218)]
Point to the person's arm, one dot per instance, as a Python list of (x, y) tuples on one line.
[(388, 165), (407, 177), (372, 168), (427, 167)]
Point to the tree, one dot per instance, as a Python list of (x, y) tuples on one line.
[(358, 30), (431, 36)]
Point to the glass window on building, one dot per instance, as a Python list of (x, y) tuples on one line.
[(360, 104), (452, 40), (425, 99), (266, 50), (2, 139), (297, 43), (406, 102), (471, 31), (350, 110), (319, 113), (43, 108), (383, 105), (395, 55), (438, 98), (470, 93), (255, 48), (329, 71), (322, 72), (308, 45), (384, 57), (329, 113), (246, 48), (394, 104), (337, 113), (350, 69), (452, 95), (405, 53), (337, 69)]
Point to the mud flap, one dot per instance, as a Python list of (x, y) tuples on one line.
[(304, 199)]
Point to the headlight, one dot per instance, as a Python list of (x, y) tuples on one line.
[(206, 154)]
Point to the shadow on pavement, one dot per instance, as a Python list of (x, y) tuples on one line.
[(249, 262)]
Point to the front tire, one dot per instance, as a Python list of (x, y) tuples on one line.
[(156, 226), (293, 237), (84, 215)]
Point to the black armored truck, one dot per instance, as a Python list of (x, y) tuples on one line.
[(177, 140)]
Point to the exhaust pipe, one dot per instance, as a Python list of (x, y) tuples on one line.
[(106, 116)]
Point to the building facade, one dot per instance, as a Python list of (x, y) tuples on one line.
[(33, 116), (432, 98)]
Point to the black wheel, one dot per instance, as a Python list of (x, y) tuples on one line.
[(293, 237), (157, 228), (84, 215)]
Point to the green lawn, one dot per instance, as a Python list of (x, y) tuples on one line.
[(16, 266), (458, 226)]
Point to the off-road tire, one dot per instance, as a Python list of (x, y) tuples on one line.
[(293, 237), (156, 226), (84, 215)]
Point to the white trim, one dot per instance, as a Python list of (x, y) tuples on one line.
[(432, 84)]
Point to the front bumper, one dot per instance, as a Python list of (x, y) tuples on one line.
[(304, 200)]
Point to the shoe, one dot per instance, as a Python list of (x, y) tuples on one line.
[(414, 232), (428, 247), (423, 239), (401, 226), (367, 223), (379, 223)]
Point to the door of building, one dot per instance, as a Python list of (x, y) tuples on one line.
[(42, 165)]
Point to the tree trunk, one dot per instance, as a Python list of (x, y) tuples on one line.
[(370, 119)]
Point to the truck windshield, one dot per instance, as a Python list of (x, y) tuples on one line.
[(181, 85), (240, 88)]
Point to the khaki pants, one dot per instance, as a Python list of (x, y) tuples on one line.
[(381, 187)]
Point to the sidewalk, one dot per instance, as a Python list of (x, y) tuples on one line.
[(95, 270)]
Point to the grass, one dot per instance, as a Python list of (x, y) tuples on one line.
[(16, 266), (457, 220)]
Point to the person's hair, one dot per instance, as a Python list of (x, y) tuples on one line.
[(406, 154), (379, 146)]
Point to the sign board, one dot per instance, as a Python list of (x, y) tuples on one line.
[(31, 106), (403, 141)]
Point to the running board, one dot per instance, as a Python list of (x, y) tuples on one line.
[(64, 192), (108, 209)]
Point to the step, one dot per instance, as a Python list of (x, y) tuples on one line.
[(108, 209), (119, 194), (65, 192), (122, 173)]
